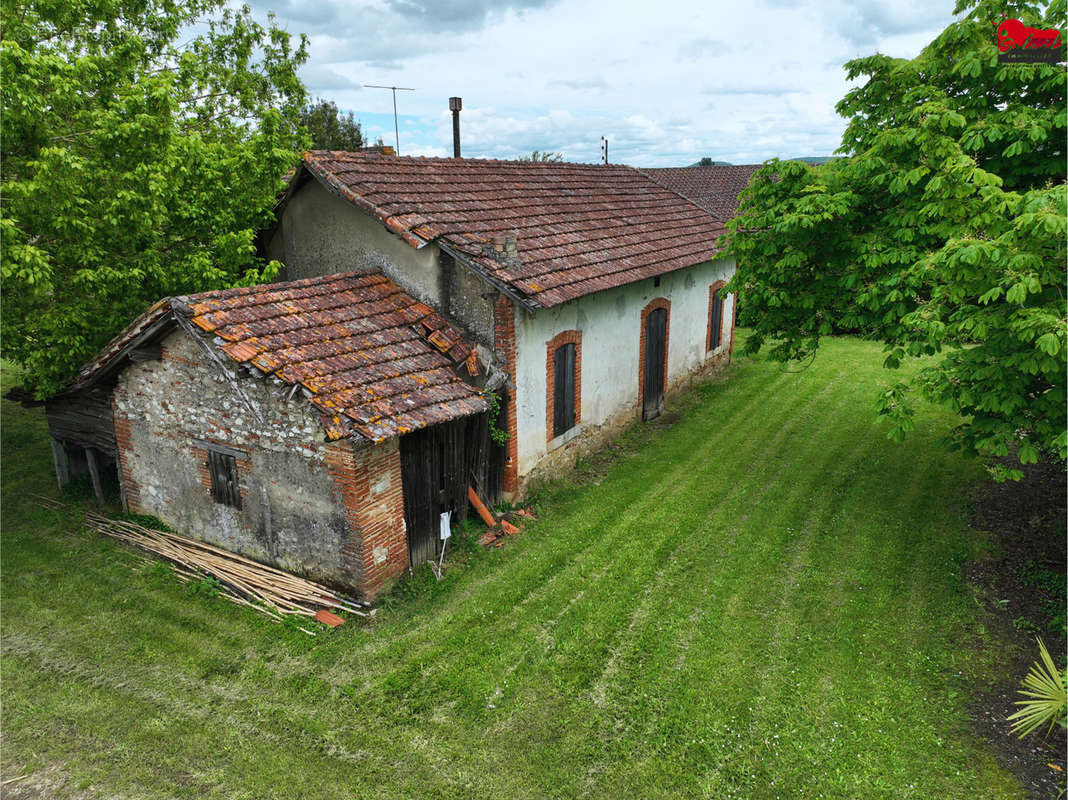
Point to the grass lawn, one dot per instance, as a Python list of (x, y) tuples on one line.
[(762, 599)]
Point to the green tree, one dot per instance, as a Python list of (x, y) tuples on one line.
[(942, 232), (543, 156), (137, 162), (329, 128)]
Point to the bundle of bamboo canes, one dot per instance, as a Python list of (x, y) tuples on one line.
[(243, 581)]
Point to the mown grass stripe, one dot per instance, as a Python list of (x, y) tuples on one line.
[(642, 635), (613, 526)]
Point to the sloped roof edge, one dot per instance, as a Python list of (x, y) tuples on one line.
[(366, 377), (581, 228), (334, 185), (715, 188)]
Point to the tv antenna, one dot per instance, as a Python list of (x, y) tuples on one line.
[(604, 149), (395, 89)]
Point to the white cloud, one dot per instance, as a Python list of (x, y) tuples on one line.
[(667, 83)]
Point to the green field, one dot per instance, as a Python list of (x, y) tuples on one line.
[(760, 597)]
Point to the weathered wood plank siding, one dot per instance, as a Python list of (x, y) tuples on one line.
[(83, 419), (438, 464)]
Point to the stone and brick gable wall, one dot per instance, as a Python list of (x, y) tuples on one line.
[(333, 512), (653, 305), (565, 337)]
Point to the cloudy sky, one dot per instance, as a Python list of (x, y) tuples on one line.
[(666, 81)]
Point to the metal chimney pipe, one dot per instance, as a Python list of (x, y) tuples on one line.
[(455, 104)]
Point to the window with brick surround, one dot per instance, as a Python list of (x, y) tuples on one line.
[(715, 316), (564, 389), (563, 380), (222, 467)]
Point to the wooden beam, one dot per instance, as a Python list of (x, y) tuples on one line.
[(59, 456), (221, 448), (94, 473)]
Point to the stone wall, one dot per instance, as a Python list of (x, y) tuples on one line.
[(332, 512)]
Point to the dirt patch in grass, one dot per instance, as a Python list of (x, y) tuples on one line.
[(1022, 586)]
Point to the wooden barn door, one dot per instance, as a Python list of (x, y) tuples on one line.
[(438, 464), (655, 358)]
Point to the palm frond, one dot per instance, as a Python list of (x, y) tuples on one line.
[(1047, 688)]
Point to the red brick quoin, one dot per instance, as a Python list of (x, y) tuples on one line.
[(664, 303), (504, 345), (734, 321), (131, 491), (565, 337), (367, 480)]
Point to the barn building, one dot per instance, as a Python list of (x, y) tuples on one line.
[(319, 425), (597, 289), (322, 423)]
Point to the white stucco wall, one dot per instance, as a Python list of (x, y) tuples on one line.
[(610, 322), (320, 233)]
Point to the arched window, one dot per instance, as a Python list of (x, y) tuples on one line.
[(563, 381), (716, 297)]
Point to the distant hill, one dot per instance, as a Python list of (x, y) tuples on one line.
[(708, 162)]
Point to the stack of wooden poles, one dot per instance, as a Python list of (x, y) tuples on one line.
[(270, 591)]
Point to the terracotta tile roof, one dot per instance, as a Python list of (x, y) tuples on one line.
[(580, 228), (373, 360), (715, 189)]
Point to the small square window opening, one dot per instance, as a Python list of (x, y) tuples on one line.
[(224, 486)]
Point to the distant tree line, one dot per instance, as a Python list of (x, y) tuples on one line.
[(331, 129)]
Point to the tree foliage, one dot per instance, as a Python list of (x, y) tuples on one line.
[(329, 129), (543, 156), (942, 232), (138, 161)]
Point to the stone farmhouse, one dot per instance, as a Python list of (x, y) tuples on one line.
[(561, 271), (287, 422), (323, 423)]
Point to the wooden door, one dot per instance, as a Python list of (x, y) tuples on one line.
[(427, 470), (438, 464), (655, 359)]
